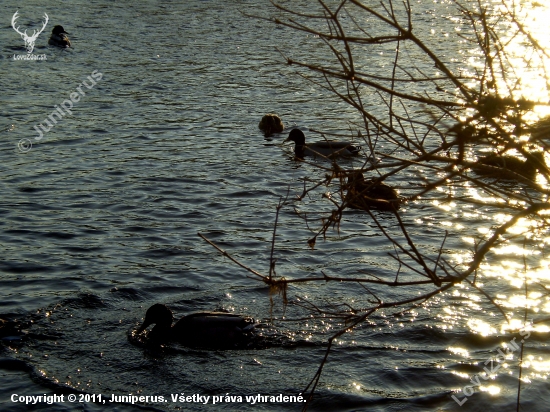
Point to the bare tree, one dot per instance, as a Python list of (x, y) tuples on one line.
[(454, 127)]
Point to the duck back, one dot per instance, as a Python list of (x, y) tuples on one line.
[(331, 149), (366, 194), (212, 330), (507, 166)]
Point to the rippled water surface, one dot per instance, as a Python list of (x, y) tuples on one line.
[(99, 220)]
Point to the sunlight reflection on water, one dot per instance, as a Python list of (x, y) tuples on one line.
[(183, 153)]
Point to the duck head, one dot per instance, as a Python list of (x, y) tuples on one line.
[(355, 177), (296, 136), (160, 316), (59, 30)]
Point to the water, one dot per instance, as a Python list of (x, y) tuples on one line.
[(100, 220)]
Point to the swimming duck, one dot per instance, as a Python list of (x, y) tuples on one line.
[(328, 148), (216, 330), (370, 194), (506, 166), (59, 38), (271, 123)]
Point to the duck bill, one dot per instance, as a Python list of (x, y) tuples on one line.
[(144, 326)]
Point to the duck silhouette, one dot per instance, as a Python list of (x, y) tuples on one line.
[(59, 38), (508, 167), (271, 123), (213, 330), (368, 194), (328, 148)]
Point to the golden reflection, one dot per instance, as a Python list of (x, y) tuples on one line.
[(481, 328), (538, 365), (534, 17), (459, 351), (525, 379), (520, 301), (491, 389), (514, 250), (515, 325), (480, 196), (461, 258), (461, 374), (516, 273), (483, 230)]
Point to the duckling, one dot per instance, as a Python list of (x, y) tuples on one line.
[(327, 148), (370, 194), (59, 38), (215, 330), (271, 123), (507, 166)]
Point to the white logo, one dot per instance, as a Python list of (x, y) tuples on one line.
[(29, 40)]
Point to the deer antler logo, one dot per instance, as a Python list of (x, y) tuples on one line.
[(29, 40)]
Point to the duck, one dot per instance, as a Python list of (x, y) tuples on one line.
[(214, 330), (328, 148), (368, 194), (508, 167), (271, 123), (59, 37)]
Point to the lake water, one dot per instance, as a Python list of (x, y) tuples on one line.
[(99, 221)]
